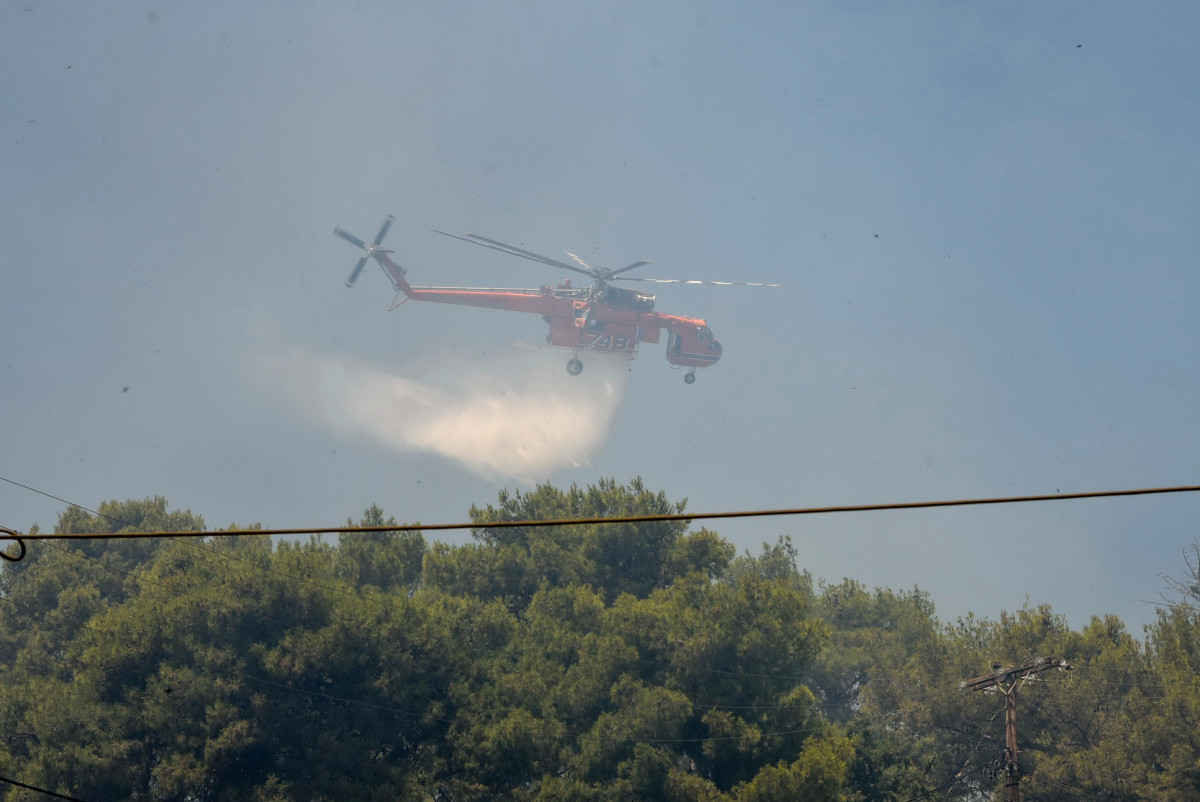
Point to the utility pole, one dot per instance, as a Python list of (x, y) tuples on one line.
[(1008, 680)]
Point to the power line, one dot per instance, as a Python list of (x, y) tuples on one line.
[(962, 773), (64, 501), (745, 736), (201, 547), (356, 702), (39, 790), (1071, 790), (955, 780), (9, 534)]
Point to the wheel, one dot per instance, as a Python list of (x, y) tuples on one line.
[(574, 367), (689, 378)]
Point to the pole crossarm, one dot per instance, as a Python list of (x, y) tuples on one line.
[(1000, 676)]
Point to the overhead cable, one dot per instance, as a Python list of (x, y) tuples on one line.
[(9, 534), (39, 790)]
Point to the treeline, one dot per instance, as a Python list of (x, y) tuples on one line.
[(571, 663)]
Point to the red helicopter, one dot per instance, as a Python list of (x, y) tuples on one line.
[(599, 317)]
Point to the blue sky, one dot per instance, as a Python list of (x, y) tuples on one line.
[(982, 215)]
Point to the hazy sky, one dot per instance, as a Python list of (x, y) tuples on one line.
[(983, 215)]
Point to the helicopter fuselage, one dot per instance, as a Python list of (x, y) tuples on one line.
[(600, 317), (582, 323)]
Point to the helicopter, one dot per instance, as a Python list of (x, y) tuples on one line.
[(599, 317)]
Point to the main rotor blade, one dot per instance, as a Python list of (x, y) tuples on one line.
[(628, 267), (693, 281), (513, 250), (353, 240), (354, 273), (580, 261), (383, 230)]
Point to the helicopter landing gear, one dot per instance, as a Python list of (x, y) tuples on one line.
[(689, 377), (574, 367)]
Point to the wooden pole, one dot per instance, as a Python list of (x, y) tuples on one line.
[(1012, 777)]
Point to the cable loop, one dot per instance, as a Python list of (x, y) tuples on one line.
[(9, 534)]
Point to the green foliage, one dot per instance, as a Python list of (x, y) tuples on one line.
[(513, 563), (382, 559), (628, 662), (819, 774)]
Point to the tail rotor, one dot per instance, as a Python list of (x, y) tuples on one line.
[(371, 249)]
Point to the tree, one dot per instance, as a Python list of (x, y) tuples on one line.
[(380, 559), (513, 563), (550, 664)]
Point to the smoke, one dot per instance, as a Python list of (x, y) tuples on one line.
[(518, 416)]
